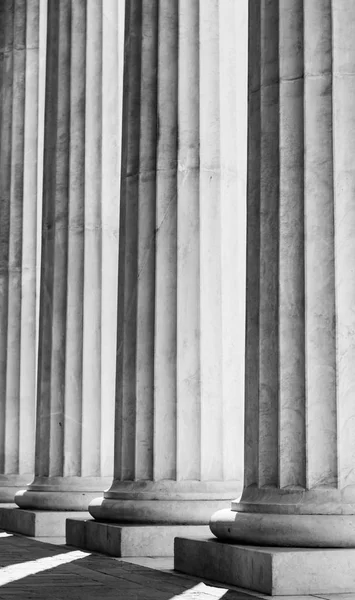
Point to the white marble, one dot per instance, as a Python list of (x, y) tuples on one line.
[(179, 396), (78, 295), (21, 47), (299, 444)]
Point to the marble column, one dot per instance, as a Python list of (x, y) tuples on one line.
[(179, 414), (77, 339), (299, 487), (19, 144)]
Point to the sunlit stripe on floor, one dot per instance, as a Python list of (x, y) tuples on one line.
[(200, 588), (21, 570), (4, 534)]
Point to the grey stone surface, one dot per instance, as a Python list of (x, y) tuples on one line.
[(127, 540), (36, 523), (270, 570)]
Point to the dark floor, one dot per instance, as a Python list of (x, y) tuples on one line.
[(34, 569)]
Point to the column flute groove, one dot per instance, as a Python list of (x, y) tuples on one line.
[(75, 403), (178, 403), (299, 487), (19, 120)]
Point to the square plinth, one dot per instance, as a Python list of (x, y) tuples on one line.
[(36, 523), (126, 540), (274, 571)]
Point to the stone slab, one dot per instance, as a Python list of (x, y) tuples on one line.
[(273, 571), (36, 523), (126, 540)]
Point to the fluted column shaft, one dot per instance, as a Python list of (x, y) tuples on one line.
[(19, 141), (77, 337), (178, 389), (300, 348)]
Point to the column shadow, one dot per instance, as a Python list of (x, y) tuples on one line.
[(32, 569)]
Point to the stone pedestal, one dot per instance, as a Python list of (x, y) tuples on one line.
[(268, 569), (19, 120), (37, 523), (299, 480), (178, 438), (78, 296), (128, 540)]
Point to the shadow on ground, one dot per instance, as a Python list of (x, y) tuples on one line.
[(31, 569)]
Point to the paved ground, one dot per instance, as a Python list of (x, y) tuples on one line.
[(30, 568), (33, 569)]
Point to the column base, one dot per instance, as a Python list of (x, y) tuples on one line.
[(36, 523), (128, 540), (163, 502), (11, 484), (61, 493), (159, 512), (273, 571), (271, 529)]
